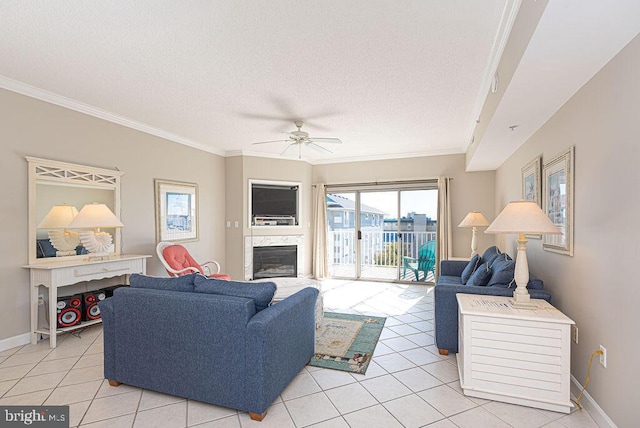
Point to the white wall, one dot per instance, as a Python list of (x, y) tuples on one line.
[(597, 287), (34, 128)]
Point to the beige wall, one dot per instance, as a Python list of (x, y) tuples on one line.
[(470, 191), (234, 212), (33, 128), (597, 287)]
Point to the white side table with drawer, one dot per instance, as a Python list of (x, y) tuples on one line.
[(519, 356), (60, 273)]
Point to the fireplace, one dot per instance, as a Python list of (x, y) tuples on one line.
[(275, 261)]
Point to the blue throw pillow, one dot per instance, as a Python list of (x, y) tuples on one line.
[(481, 276), (178, 283), (503, 270), (470, 269), (490, 255), (260, 292)]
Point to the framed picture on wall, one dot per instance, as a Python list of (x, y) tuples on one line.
[(557, 202), (531, 181), (176, 211), (531, 185)]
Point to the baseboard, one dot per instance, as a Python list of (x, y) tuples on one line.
[(590, 405), (14, 341)]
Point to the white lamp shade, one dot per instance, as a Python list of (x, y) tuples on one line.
[(474, 219), (522, 217), (93, 216), (58, 217)]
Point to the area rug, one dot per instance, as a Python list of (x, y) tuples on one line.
[(346, 342)]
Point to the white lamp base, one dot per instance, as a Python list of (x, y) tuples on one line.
[(66, 253), (64, 242), (521, 297), (522, 305), (97, 242), (474, 245)]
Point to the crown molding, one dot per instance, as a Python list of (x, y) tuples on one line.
[(231, 153), (50, 97), (59, 100), (509, 15), (442, 152)]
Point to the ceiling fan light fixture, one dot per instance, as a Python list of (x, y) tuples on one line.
[(300, 137)]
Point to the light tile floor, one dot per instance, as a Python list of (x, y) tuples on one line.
[(407, 384)]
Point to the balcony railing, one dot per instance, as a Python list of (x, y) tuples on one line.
[(378, 248)]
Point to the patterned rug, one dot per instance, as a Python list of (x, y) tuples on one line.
[(346, 342)]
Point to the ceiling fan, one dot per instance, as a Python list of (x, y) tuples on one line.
[(300, 138)]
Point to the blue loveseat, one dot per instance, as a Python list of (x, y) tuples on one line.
[(220, 342), (498, 282)]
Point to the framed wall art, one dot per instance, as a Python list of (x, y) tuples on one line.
[(176, 211), (531, 185), (557, 202), (531, 181)]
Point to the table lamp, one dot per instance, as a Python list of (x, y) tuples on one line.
[(56, 221), (95, 216), (474, 220), (521, 218)]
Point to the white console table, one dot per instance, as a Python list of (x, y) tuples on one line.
[(60, 273), (519, 356)]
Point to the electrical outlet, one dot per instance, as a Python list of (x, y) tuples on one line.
[(603, 357), (575, 334)]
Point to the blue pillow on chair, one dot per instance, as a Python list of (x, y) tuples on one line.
[(471, 268), (481, 276)]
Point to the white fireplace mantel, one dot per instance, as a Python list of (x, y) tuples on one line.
[(270, 241)]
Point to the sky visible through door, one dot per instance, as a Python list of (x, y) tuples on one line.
[(388, 235)]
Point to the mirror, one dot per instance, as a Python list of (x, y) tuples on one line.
[(56, 183)]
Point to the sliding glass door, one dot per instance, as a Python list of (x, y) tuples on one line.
[(382, 234), (341, 238), (418, 225), (379, 249)]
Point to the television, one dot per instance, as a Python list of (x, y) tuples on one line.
[(274, 204)]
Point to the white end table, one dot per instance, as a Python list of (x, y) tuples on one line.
[(519, 356)]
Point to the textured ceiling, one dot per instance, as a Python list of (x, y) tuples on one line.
[(388, 78), (391, 79)]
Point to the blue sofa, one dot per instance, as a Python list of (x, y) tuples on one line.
[(450, 283), (220, 342)]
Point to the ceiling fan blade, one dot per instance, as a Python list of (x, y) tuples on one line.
[(250, 115), (318, 148), (290, 149), (326, 140), (275, 141)]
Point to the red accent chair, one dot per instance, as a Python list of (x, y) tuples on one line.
[(177, 261)]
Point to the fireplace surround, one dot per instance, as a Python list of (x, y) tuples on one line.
[(275, 261), (269, 241)]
